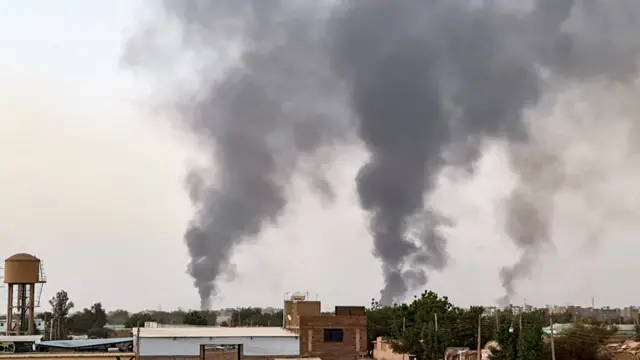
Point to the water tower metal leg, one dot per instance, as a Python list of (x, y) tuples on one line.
[(32, 315), (10, 310)]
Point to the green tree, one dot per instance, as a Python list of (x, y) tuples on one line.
[(430, 324), (100, 333), (61, 305), (253, 316), (117, 317), (99, 315), (87, 319), (380, 321), (530, 344), (584, 342), (195, 318), (519, 336), (139, 319)]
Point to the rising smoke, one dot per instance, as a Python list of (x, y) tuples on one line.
[(266, 112), (420, 77)]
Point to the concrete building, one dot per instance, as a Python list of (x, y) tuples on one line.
[(341, 335), (192, 342), (307, 333)]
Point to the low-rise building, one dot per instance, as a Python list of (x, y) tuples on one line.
[(341, 335), (307, 333), (214, 342)]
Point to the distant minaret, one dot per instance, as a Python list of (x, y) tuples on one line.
[(593, 302)]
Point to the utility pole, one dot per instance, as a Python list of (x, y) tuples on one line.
[(479, 354), (404, 325), (553, 345), (138, 341), (435, 316), (435, 334), (520, 323)]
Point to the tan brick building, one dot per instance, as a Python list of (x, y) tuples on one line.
[(342, 335)]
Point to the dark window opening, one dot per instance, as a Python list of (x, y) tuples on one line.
[(333, 335)]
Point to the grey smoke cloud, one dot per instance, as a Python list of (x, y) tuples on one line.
[(420, 77), (576, 41), (257, 123)]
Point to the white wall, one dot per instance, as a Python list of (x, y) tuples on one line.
[(256, 346)]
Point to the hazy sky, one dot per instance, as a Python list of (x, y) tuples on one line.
[(92, 184)]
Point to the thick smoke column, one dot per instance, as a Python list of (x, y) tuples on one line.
[(422, 78), (256, 122), (427, 74), (423, 74)]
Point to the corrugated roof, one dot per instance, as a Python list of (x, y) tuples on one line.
[(21, 338), (74, 344), (214, 332)]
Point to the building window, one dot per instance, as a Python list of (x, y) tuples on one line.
[(333, 335)]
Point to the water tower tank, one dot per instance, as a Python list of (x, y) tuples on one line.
[(22, 269)]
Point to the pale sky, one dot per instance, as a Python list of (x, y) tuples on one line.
[(92, 184)]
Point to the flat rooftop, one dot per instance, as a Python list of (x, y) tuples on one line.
[(217, 331), (21, 338)]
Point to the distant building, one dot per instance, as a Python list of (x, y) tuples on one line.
[(629, 312), (555, 309), (3, 325)]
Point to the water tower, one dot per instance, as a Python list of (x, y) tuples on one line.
[(21, 274)]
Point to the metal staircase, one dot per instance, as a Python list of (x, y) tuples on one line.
[(43, 279)]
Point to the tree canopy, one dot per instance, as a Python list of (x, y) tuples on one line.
[(430, 324)]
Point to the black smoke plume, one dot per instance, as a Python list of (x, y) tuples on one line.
[(421, 77)]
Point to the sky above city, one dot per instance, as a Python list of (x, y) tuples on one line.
[(92, 183)]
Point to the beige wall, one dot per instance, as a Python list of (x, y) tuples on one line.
[(382, 351), (70, 356)]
